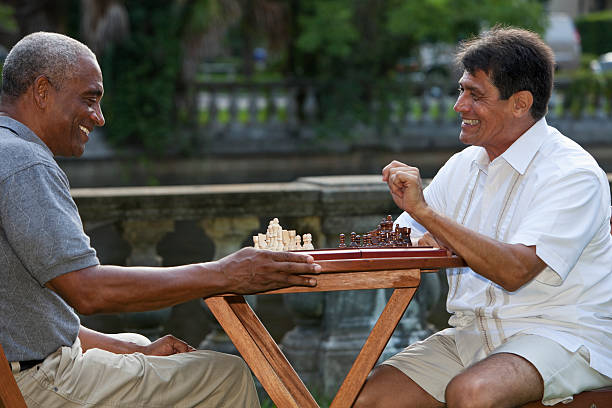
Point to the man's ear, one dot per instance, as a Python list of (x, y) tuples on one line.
[(40, 91), (521, 103)]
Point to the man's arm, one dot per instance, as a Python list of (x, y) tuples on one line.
[(483, 254), (110, 289), (164, 346)]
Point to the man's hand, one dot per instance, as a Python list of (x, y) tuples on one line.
[(166, 346), (405, 185), (254, 270)]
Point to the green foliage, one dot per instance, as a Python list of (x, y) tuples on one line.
[(596, 32), (352, 47), (453, 20), (140, 76), (7, 18), (328, 29), (587, 92)]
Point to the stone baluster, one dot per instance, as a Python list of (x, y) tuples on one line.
[(301, 345), (253, 109), (233, 106), (228, 234), (143, 236), (271, 108), (310, 104), (292, 108), (212, 108)]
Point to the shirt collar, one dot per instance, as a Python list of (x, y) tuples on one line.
[(22, 131), (521, 152)]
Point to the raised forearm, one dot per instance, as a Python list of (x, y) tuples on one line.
[(508, 265)]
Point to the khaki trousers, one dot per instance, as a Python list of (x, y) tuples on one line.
[(70, 378)]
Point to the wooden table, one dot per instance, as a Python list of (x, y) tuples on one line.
[(348, 269)]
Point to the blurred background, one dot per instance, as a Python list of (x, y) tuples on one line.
[(227, 91)]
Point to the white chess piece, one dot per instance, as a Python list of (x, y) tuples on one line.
[(292, 240), (298, 240), (261, 240), (277, 235), (285, 240), (308, 242), (256, 242)]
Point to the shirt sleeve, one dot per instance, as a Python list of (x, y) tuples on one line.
[(42, 223), (564, 216)]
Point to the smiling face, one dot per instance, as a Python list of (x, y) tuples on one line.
[(486, 120), (74, 109)]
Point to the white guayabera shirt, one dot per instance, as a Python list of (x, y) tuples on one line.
[(545, 190)]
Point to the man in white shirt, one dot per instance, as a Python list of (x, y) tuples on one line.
[(528, 209)]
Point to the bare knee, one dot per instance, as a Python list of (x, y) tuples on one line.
[(466, 392), (388, 387)]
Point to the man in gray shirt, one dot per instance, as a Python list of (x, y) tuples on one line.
[(51, 92)]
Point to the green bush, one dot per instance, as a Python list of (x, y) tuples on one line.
[(140, 77), (596, 32)]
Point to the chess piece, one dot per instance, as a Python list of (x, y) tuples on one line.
[(298, 241), (261, 241), (406, 234), (342, 241), (307, 241), (285, 234), (292, 240), (353, 243), (358, 240), (256, 242)]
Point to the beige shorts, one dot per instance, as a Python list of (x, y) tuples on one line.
[(433, 362), (70, 378)]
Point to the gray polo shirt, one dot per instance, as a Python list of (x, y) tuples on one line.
[(41, 237)]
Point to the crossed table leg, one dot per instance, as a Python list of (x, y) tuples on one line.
[(269, 364)]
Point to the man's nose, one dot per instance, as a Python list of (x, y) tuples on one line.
[(97, 116), (461, 104)]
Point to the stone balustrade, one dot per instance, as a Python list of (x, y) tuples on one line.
[(325, 330)]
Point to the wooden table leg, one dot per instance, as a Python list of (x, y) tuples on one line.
[(373, 347), (261, 352)]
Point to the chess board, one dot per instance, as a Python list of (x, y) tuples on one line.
[(382, 258)]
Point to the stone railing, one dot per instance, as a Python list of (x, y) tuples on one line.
[(182, 224), (278, 116)]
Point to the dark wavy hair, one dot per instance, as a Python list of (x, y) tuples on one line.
[(515, 60)]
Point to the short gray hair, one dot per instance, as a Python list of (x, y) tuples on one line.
[(50, 54)]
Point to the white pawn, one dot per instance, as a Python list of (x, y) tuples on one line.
[(308, 242), (261, 240), (292, 240), (298, 240), (256, 242)]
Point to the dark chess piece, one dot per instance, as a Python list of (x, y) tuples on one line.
[(353, 243), (342, 241), (393, 239), (358, 240), (406, 236)]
